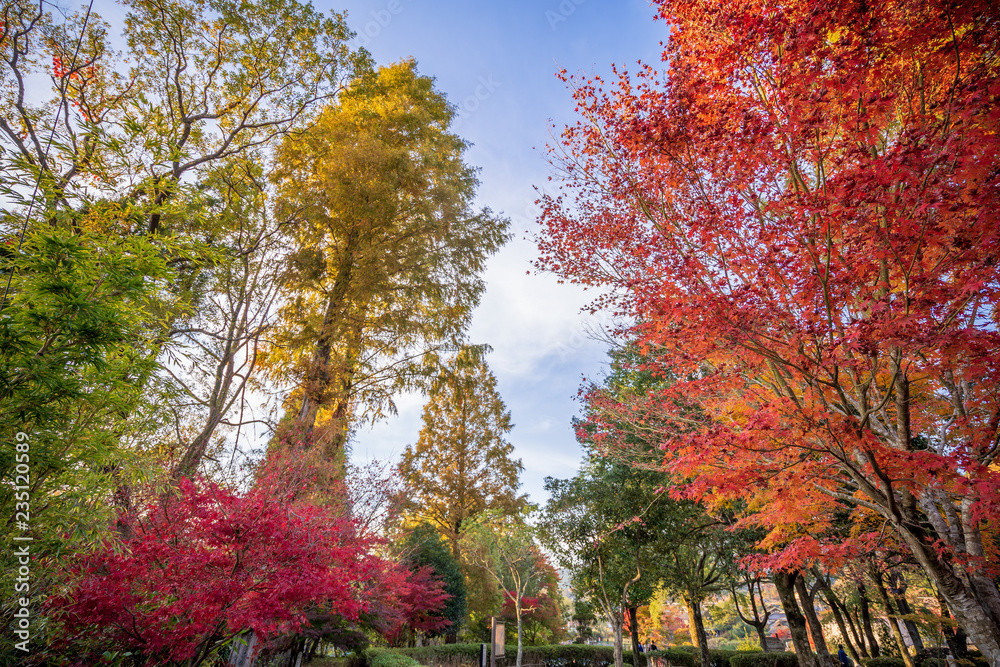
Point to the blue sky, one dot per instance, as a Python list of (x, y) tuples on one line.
[(497, 62)]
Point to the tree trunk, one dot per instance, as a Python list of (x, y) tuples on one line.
[(911, 628), (698, 634), (785, 583), (897, 589), (762, 638), (616, 625), (866, 620), (976, 610), (692, 626), (633, 626), (318, 376), (954, 637), (312, 650), (855, 646), (451, 635), (842, 624), (520, 643), (890, 613), (841, 616), (853, 620), (758, 623), (812, 622)]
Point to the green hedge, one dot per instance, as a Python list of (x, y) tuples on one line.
[(392, 659), (721, 657), (579, 655), (883, 661), (560, 655), (760, 659), (688, 656), (570, 655), (675, 656), (926, 659), (430, 655), (976, 658)]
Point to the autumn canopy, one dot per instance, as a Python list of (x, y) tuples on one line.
[(798, 217)]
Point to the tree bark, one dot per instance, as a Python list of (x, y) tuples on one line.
[(633, 626), (316, 387), (757, 622), (312, 650), (698, 634), (977, 609), (616, 625), (785, 583), (866, 620), (520, 627), (812, 622), (897, 588), (692, 627), (890, 613), (954, 637), (843, 621)]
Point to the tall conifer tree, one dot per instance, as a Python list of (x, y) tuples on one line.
[(388, 252), (462, 463)]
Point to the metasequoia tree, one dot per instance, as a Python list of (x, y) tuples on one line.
[(461, 465), (802, 216), (387, 251)]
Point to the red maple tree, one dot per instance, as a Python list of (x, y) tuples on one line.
[(418, 598), (801, 217), (205, 564)]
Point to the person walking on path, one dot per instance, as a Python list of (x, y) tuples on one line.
[(842, 656)]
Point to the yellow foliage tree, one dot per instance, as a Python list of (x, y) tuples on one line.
[(461, 465), (387, 252)]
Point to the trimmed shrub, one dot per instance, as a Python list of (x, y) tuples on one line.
[(444, 654), (883, 661), (574, 655), (569, 655), (393, 659), (688, 656), (761, 659), (721, 657), (673, 656), (560, 655)]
